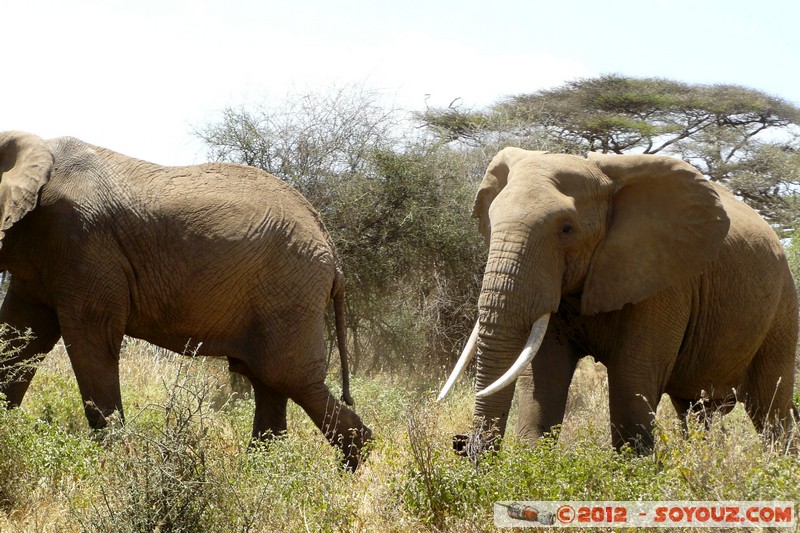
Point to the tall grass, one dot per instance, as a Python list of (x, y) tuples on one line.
[(181, 463)]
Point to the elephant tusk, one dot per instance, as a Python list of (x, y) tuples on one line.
[(466, 356), (538, 330)]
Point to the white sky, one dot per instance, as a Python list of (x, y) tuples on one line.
[(137, 75)]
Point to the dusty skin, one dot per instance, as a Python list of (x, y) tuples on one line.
[(666, 278), (215, 259)]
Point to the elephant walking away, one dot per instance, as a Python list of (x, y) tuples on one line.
[(222, 257), (663, 276)]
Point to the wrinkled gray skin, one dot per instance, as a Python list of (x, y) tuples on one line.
[(223, 258), (665, 277)]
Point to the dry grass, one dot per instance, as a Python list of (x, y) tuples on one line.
[(180, 462)]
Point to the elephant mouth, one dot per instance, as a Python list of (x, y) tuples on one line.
[(532, 345)]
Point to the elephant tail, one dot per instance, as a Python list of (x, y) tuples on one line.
[(341, 335)]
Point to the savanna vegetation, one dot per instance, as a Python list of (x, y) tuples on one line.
[(395, 191)]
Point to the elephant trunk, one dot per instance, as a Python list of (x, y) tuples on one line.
[(521, 287)]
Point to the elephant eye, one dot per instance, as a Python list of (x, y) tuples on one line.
[(567, 228)]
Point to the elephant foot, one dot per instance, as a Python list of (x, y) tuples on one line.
[(264, 438), (102, 418), (475, 446), (355, 448), (460, 442), (348, 433), (341, 426)]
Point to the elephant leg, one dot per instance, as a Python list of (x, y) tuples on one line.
[(241, 378), (682, 408), (340, 425), (93, 325), (269, 420), (769, 386), (97, 372), (632, 411), (295, 366), (19, 366), (95, 362), (543, 388), (640, 366)]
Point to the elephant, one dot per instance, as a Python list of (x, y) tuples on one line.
[(215, 259), (663, 276)]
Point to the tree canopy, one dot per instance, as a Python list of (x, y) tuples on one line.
[(738, 136)]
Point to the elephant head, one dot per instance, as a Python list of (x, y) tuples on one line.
[(25, 166), (609, 230)]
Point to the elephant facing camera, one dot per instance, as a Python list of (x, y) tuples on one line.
[(663, 276)]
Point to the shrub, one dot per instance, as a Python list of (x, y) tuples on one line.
[(181, 462), (16, 466), (412, 258), (156, 477), (37, 456)]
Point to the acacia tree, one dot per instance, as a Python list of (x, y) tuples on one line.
[(721, 129), (768, 178)]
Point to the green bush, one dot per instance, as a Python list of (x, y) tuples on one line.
[(444, 490), (38, 456), (16, 464), (157, 478), (412, 256)]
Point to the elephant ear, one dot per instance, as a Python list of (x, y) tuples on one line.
[(666, 223), (25, 166), (495, 179)]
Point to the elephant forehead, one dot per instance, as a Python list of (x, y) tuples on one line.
[(546, 192), (539, 201), (565, 174), (531, 202), (570, 175)]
